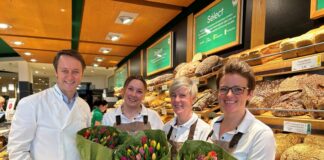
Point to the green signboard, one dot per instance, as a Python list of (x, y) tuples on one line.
[(159, 55), (121, 75), (217, 27), (317, 9)]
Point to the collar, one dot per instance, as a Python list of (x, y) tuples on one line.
[(188, 124), (243, 127), (64, 97), (142, 113)]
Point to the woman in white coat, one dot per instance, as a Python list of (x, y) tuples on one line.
[(45, 124)]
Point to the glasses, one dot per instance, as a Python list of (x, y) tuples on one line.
[(235, 90)]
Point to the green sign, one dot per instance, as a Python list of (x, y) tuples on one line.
[(320, 4), (317, 9), (159, 55), (121, 75), (217, 27)]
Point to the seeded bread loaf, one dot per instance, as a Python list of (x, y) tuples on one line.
[(206, 65), (303, 152)]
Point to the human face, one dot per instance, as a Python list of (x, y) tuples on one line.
[(69, 74), (230, 102), (181, 101), (134, 93)]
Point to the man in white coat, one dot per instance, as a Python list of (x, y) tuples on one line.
[(45, 124)]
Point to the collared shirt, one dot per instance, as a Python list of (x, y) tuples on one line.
[(153, 117), (257, 142), (65, 98), (180, 133)]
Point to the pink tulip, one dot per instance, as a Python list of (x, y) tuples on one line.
[(151, 149)]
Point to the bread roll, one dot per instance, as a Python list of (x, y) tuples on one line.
[(284, 141), (314, 140), (303, 152)]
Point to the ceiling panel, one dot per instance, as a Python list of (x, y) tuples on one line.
[(37, 43), (183, 3), (39, 18), (40, 56), (109, 61), (99, 18)]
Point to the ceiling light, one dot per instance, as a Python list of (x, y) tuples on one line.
[(105, 50), (99, 59), (4, 26), (36, 72), (95, 65), (11, 87), (27, 53), (126, 18), (33, 60), (62, 10), (113, 36), (18, 43)]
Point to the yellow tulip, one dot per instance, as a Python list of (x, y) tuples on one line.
[(153, 156), (158, 146), (153, 143)]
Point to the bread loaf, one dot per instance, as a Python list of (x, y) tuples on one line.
[(319, 38), (188, 70), (315, 140), (176, 70), (286, 46), (303, 152), (305, 41), (206, 65), (284, 141)]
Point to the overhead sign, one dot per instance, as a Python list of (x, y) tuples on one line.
[(218, 26)]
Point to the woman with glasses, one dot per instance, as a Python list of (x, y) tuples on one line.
[(237, 130), (186, 125)]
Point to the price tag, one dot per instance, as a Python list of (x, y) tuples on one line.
[(297, 127), (306, 63), (164, 87), (151, 88), (163, 111)]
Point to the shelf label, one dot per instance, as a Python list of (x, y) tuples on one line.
[(306, 63), (164, 87), (297, 127), (151, 88), (163, 111)]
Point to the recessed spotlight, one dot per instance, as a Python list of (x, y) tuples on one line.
[(36, 72), (126, 18), (4, 26), (18, 43), (33, 60), (99, 59), (113, 36), (105, 50), (62, 10), (95, 65), (27, 53)]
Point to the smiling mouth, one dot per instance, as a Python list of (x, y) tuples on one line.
[(229, 102)]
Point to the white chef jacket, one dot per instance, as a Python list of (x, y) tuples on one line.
[(180, 133), (257, 142), (109, 118), (44, 128)]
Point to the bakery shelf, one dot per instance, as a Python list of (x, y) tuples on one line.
[(205, 113), (280, 67), (271, 120)]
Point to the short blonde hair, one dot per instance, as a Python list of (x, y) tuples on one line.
[(184, 82)]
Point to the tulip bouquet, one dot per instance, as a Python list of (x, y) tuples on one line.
[(99, 142), (201, 150), (145, 145)]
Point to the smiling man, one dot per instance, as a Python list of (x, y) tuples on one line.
[(45, 124)]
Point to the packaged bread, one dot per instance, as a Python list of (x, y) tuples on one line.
[(305, 41), (319, 38), (287, 47), (206, 65)]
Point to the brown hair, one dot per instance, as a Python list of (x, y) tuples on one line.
[(137, 77), (235, 66), (71, 53)]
